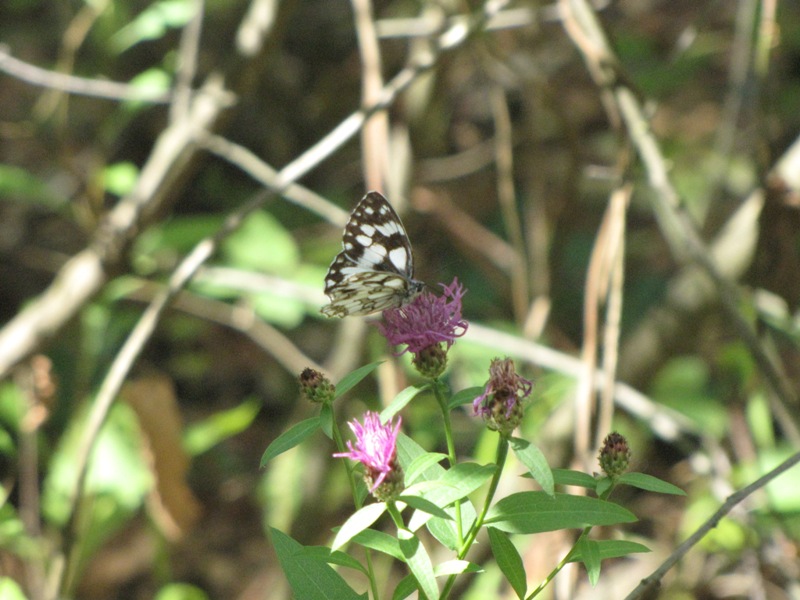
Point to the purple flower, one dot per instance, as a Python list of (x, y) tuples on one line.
[(376, 448), (427, 320), (501, 401)]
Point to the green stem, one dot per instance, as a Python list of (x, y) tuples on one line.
[(350, 470), (559, 566), (500, 461), (438, 391)]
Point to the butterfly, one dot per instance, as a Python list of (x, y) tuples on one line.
[(375, 270)]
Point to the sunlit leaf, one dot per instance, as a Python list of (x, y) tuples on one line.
[(120, 177), (180, 591), (358, 521), (380, 542), (533, 459), (204, 435), (419, 562), (420, 464)]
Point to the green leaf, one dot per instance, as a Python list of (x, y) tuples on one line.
[(456, 483), (406, 587), (153, 23), (400, 401), (358, 521), (18, 184), (509, 560), (220, 426), (308, 576), (420, 464), (10, 590), (577, 478), (650, 483), (351, 379), (420, 564), (289, 439), (456, 567), (590, 556), (334, 558), (465, 396), (419, 503), (120, 177), (535, 512), (262, 244), (533, 459), (602, 486), (444, 531), (380, 542), (611, 549), (180, 591)]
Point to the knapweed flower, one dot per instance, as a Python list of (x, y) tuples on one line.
[(501, 402), (427, 326), (615, 455), (316, 387), (376, 449)]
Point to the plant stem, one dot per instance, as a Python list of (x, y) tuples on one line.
[(559, 566), (438, 391), (500, 461)]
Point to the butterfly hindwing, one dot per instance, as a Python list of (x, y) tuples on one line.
[(375, 269)]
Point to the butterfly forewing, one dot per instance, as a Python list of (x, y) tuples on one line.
[(375, 269)]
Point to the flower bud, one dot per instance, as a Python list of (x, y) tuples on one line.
[(316, 387), (615, 455)]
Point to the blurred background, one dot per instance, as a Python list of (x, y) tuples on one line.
[(515, 169)]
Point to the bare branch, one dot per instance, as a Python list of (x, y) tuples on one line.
[(83, 275), (109, 90), (655, 578)]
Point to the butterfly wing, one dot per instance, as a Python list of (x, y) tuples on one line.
[(375, 269)]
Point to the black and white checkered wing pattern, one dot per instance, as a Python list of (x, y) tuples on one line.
[(375, 269)]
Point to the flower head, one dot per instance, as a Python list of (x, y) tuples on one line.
[(316, 387), (376, 449), (501, 401), (425, 324), (615, 455)]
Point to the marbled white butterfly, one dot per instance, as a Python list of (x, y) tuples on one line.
[(375, 269)]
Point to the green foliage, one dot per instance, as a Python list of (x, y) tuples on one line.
[(203, 435), (530, 456), (536, 512), (180, 591), (120, 178), (22, 186), (10, 590), (508, 559), (153, 23), (290, 438), (309, 576)]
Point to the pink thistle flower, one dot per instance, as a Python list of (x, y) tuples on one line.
[(376, 449), (427, 320)]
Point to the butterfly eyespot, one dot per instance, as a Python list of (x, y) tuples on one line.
[(375, 269)]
